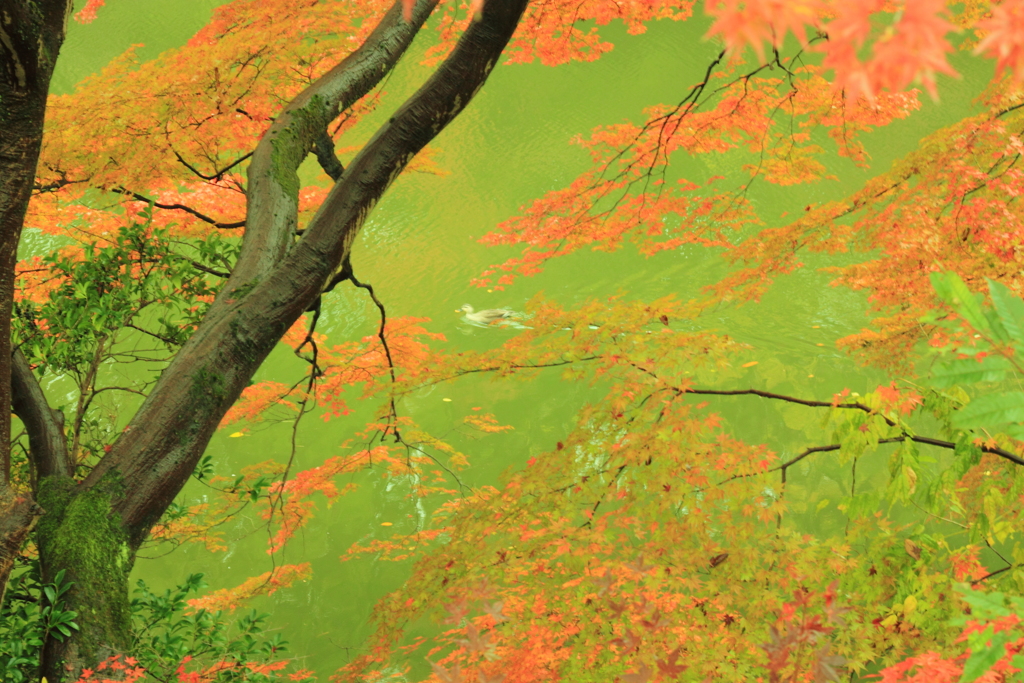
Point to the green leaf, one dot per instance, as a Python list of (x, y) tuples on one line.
[(982, 659), (971, 371), (991, 410), (1015, 431), (984, 605), (1010, 309), (954, 292)]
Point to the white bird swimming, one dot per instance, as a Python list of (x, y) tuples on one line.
[(486, 316)]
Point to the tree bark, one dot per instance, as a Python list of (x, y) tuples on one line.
[(45, 426), (31, 33), (93, 529)]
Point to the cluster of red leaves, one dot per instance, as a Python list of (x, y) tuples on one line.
[(342, 365), (201, 523), (88, 13), (943, 207), (933, 667), (264, 584), (625, 196), (189, 137), (289, 505), (1003, 39), (892, 399), (559, 31), (114, 669), (912, 47), (801, 633), (966, 565), (240, 671)]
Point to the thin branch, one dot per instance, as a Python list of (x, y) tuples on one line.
[(384, 343), (1002, 453), (206, 269), (179, 207), (219, 174)]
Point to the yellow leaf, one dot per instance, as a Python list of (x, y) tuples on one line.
[(448, 400), (910, 604), (236, 435), (750, 364), (911, 477), (822, 504), (890, 620), (385, 523)]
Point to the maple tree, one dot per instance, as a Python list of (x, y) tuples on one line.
[(648, 544)]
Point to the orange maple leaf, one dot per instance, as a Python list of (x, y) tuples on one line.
[(1004, 39)]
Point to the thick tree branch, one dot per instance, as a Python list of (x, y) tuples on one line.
[(325, 156), (45, 426), (272, 206)]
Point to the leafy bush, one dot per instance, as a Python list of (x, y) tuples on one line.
[(171, 642)]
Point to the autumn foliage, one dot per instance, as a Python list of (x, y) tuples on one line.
[(650, 543)]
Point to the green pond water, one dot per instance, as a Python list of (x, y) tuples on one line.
[(419, 250)]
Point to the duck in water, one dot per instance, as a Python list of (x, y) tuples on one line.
[(486, 316)]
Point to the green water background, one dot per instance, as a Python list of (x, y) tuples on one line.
[(419, 249)]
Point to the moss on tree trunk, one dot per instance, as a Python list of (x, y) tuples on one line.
[(81, 534)]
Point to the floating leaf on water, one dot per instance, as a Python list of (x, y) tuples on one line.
[(385, 523), (446, 400)]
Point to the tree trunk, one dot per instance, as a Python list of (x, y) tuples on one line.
[(83, 535), (31, 33)]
